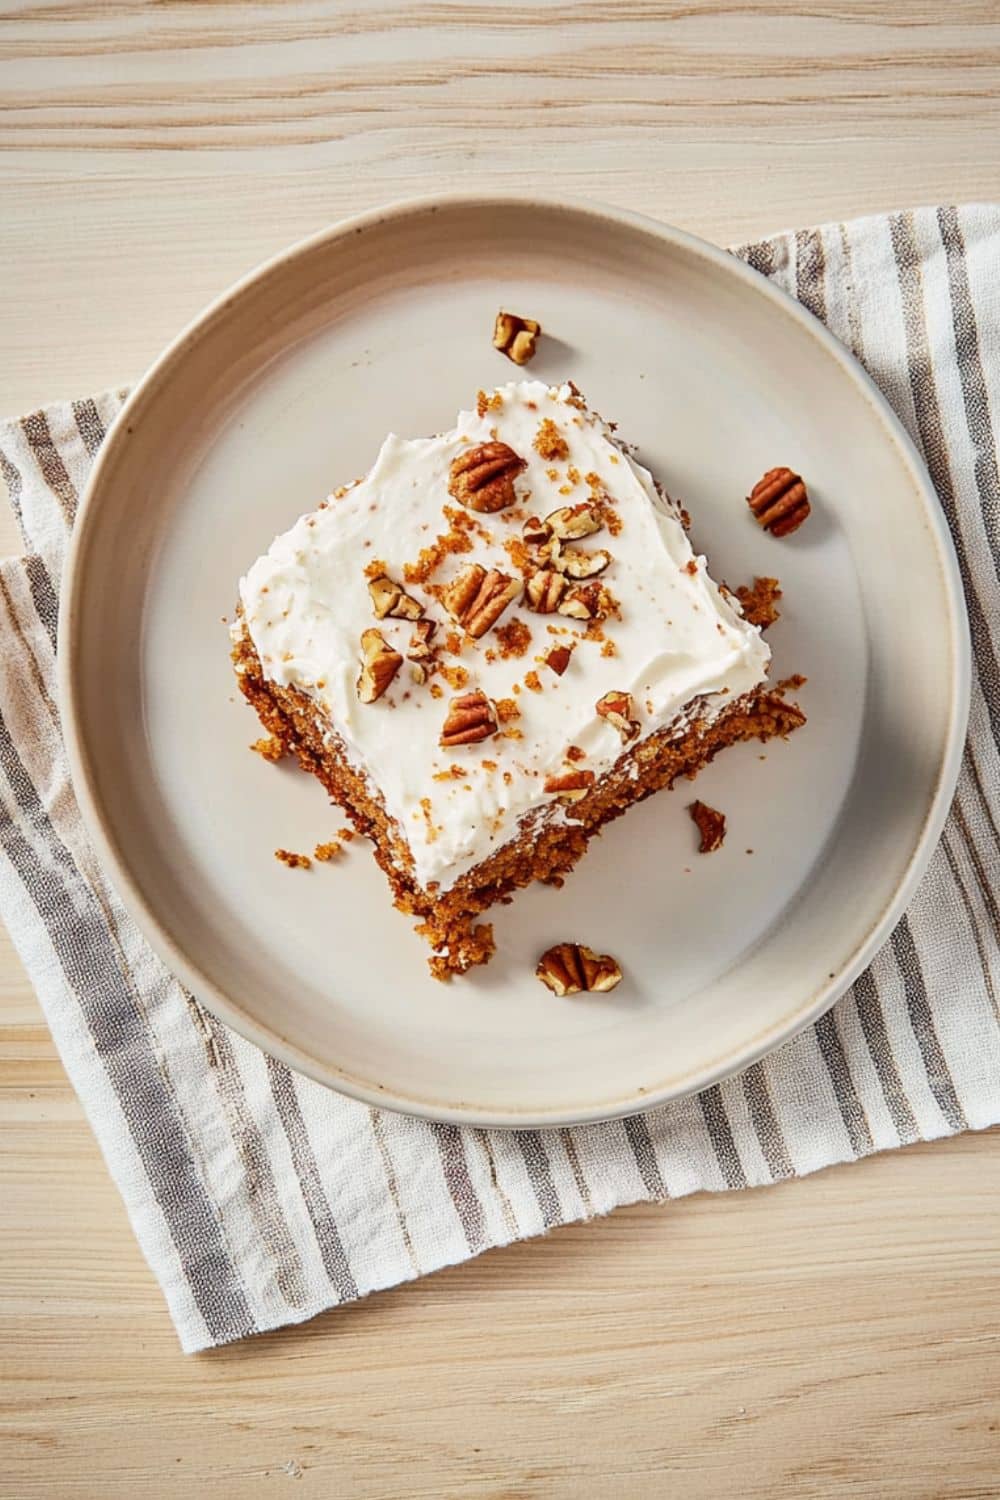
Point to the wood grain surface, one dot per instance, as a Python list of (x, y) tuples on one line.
[(837, 1336)]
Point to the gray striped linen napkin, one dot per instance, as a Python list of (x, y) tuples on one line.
[(260, 1198)]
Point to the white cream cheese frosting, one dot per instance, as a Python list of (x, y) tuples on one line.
[(306, 603)]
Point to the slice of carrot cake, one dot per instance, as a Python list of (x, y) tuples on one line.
[(490, 646)]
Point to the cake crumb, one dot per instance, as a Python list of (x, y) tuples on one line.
[(514, 638), (270, 747), (346, 835), (549, 441), (609, 648), (711, 824), (691, 566), (292, 860), (376, 568), (453, 773), (790, 684), (533, 681), (507, 709), (325, 852), (518, 552), (455, 677), (486, 403), (759, 601)]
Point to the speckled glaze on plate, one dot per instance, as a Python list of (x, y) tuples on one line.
[(285, 388)]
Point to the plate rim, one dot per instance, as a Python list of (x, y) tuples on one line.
[(271, 1041)]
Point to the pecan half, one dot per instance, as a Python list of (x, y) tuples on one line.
[(779, 501), (569, 785), (619, 710), (389, 599), (571, 968), (558, 657), (477, 599), (420, 648), (544, 590), (711, 824), (516, 337), (482, 478), (378, 667), (471, 718)]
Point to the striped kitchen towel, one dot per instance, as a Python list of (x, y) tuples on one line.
[(260, 1198)]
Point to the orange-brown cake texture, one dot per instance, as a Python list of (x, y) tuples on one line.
[(403, 642)]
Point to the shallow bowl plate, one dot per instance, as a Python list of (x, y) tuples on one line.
[(284, 389)]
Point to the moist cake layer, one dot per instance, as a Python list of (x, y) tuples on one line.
[(670, 639)]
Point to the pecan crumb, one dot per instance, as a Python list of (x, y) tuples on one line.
[(711, 825), (293, 861), (575, 753)]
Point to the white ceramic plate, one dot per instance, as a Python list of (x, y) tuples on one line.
[(285, 388)]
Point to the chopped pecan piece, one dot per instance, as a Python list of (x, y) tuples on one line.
[(379, 665), (571, 522), (579, 564), (544, 590), (535, 531), (482, 478), (471, 718), (569, 785), (619, 710), (516, 337), (586, 603), (779, 501), (477, 599), (711, 825), (571, 968), (420, 648), (389, 599), (557, 657)]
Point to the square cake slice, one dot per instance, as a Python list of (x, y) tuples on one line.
[(490, 646)]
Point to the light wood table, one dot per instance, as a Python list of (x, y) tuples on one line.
[(837, 1336)]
